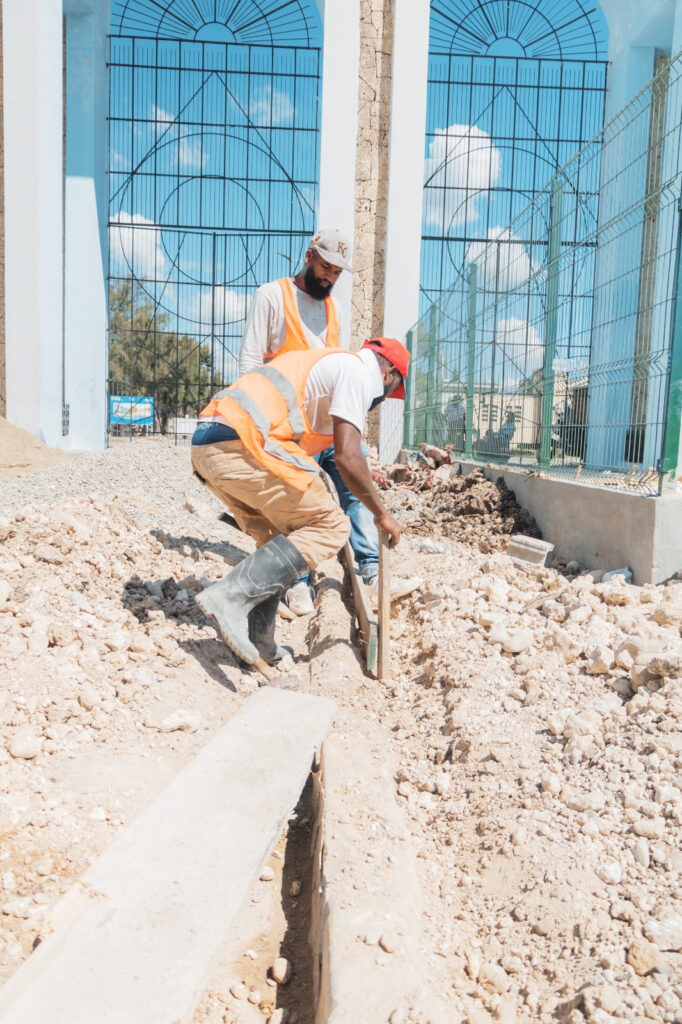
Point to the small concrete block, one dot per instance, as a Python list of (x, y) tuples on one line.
[(529, 549), (138, 940)]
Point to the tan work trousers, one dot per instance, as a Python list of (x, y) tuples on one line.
[(265, 506)]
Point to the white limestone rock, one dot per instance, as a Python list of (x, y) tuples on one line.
[(666, 932), (601, 659), (25, 744), (609, 871)]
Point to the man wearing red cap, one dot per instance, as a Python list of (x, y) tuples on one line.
[(255, 452)]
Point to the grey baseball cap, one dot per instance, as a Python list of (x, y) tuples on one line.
[(333, 246)]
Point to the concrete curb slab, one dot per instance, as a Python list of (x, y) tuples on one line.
[(367, 897), (137, 938)]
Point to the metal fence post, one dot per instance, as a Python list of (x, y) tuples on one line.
[(471, 363), (410, 392), (672, 429), (551, 316), (430, 382)]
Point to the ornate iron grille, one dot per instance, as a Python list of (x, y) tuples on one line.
[(213, 169), (509, 102), (516, 28), (258, 22)]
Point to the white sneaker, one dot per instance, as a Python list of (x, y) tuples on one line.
[(300, 598)]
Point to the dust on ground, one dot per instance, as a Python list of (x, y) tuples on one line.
[(21, 452)]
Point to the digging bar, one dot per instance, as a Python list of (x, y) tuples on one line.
[(384, 607)]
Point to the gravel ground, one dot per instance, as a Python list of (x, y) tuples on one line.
[(112, 678), (155, 468), (536, 719)]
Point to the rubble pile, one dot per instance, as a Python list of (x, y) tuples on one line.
[(112, 679), (539, 722), (432, 495), (535, 714)]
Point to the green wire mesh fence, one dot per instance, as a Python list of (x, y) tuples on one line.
[(557, 347)]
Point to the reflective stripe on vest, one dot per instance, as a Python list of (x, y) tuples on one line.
[(263, 424), (286, 389)]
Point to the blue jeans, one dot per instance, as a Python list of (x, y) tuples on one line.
[(364, 536)]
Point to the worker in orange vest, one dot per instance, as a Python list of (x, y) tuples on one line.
[(297, 314), (254, 449)]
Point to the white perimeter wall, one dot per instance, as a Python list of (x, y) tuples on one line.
[(32, 55), (339, 130), (85, 298), (405, 190), (55, 266)]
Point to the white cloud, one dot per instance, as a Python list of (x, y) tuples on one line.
[(462, 163), (191, 154), (162, 117), (509, 262), (271, 106), (230, 306), (190, 151), (135, 246), (521, 346)]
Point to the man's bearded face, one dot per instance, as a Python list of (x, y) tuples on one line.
[(320, 277)]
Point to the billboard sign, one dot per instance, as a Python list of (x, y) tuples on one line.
[(132, 409)]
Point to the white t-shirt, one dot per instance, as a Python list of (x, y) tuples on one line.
[(342, 385), (265, 328)]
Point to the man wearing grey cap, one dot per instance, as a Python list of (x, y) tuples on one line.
[(299, 313)]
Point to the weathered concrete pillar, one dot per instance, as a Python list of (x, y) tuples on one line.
[(371, 169), (371, 176)]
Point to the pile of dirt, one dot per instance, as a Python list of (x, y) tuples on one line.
[(472, 509), (21, 452)]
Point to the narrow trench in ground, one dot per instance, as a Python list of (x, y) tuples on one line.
[(297, 997), (275, 922)]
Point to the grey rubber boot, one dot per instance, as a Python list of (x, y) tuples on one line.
[(262, 620), (264, 574)]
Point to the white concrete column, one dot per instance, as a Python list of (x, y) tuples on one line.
[(339, 130), (86, 222), (32, 55), (405, 189)]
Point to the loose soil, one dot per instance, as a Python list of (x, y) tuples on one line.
[(21, 452)]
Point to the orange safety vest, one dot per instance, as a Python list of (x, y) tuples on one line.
[(295, 339), (266, 407)]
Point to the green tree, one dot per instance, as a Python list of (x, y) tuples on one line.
[(146, 357)]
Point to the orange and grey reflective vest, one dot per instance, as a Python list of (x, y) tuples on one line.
[(295, 339), (267, 409)]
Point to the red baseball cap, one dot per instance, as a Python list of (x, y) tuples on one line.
[(396, 353)]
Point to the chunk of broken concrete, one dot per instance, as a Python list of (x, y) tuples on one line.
[(529, 549)]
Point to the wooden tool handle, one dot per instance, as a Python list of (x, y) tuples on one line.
[(384, 607)]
